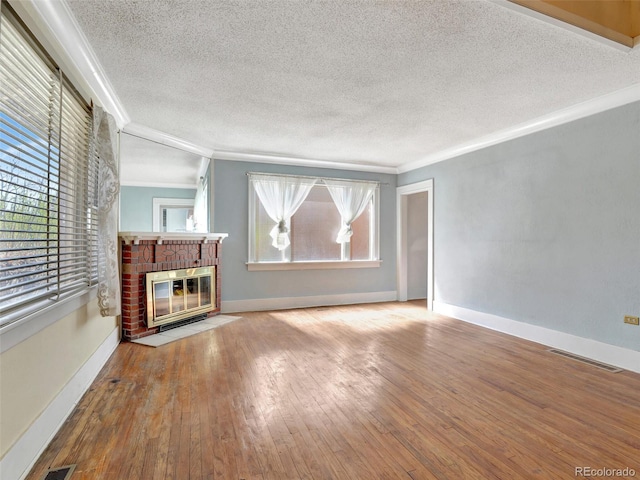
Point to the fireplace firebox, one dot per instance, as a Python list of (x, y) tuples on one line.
[(178, 294)]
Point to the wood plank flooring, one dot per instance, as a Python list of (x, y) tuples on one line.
[(384, 391)]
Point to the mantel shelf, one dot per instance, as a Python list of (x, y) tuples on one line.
[(160, 237)]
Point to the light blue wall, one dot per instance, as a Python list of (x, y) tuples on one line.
[(545, 229), (231, 216), (136, 205)]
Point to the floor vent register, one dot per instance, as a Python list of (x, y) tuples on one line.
[(60, 473)]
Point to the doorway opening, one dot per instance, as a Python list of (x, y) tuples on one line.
[(414, 216)]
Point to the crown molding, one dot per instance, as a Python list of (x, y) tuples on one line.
[(585, 109), (162, 138), (63, 27), (300, 162), (187, 186)]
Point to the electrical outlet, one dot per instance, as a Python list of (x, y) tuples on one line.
[(631, 320)]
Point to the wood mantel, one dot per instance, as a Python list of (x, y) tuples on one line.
[(160, 237)]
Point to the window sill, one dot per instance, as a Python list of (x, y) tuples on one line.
[(257, 267)]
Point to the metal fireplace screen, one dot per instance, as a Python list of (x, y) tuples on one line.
[(177, 294)]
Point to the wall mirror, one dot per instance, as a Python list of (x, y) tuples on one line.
[(173, 215), (162, 188)]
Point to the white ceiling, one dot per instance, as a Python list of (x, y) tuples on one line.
[(144, 162), (371, 83)]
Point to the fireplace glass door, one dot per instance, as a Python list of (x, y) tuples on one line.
[(178, 294)]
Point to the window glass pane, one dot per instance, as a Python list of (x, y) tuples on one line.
[(205, 290), (161, 298), (360, 240), (177, 301), (314, 228), (192, 292)]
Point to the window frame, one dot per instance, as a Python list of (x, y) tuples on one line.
[(31, 315), (374, 238)]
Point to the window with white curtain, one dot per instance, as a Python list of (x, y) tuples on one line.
[(313, 231), (48, 180)]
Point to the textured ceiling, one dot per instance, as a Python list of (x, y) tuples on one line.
[(367, 82), (143, 162)]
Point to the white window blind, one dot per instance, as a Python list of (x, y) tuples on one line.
[(48, 179)]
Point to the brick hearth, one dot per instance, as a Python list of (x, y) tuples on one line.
[(141, 256)]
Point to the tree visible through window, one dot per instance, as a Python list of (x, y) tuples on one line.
[(48, 179)]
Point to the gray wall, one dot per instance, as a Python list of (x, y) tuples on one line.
[(231, 216), (136, 205), (417, 233), (545, 229)]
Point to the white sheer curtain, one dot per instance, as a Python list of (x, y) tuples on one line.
[(351, 198), (200, 206), (105, 146), (281, 196)]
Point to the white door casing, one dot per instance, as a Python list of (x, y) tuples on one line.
[(401, 204)]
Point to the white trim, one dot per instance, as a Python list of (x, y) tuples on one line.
[(320, 265), (159, 202), (585, 347), (283, 303), (186, 186), (135, 237), (148, 133), (25, 452), (212, 200), (590, 107), (62, 25), (298, 161), (202, 169), (401, 237)]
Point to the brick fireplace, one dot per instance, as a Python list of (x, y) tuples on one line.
[(145, 252)]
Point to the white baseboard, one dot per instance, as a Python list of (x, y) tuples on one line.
[(19, 460), (585, 347), (283, 303)]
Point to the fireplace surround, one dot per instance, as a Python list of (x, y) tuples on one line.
[(147, 254)]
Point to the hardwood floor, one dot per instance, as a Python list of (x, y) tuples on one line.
[(385, 391)]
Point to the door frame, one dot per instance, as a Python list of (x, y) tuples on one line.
[(159, 203), (401, 244)]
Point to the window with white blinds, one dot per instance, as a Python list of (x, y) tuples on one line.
[(48, 180)]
